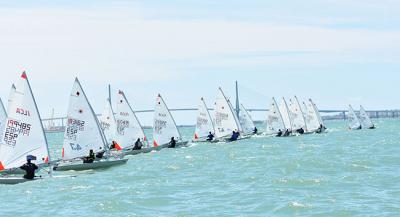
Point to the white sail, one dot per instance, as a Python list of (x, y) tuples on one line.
[(164, 126), (129, 128), (108, 123), (274, 119), (311, 117), (246, 121), (365, 119), (204, 124), (224, 116), (316, 110), (287, 120), (10, 97), (240, 128), (23, 133), (3, 118), (83, 132), (354, 122), (296, 113)]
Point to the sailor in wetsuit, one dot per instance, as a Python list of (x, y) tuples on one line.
[(279, 134), (287, 133), (301, 131), (255, 131), (235, 136), (29, 168), (90, 158), (100, 154), (210, 137), (138, 145), (172, 143)]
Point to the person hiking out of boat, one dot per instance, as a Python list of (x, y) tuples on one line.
[(301, 130), (100, 154), (138, 145), (210, 136), (255, 131), (279, 134), (235, 136), (90, 158), (112, 146), (372, 127), (29, 167), (172, 143)]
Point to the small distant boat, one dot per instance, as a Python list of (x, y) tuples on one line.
[(129, 129), (246, 122), (366, 121), (22, 134), (354, 122), (274, 119), (82, 134), (164, 127), (296, 113), (286, 116), (225, 119), (204, 123)]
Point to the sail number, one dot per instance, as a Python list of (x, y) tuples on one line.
[(75, 147), (13, 130)]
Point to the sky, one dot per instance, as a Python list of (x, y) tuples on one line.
[(337, 52)]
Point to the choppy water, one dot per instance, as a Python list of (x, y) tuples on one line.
[(340, 173)]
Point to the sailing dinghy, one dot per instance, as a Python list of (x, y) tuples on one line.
[(296, 113), (22, 134), (246, 121), (164, 127), (108, 123), (287, 119), (225, 119), (204, 124), (82, 134), (354, 122), (365, 119), (311, 117), (129, 129), (275, 122)]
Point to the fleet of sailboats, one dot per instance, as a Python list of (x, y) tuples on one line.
[(117, 131)]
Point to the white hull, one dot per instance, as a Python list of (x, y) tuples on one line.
[(89, 166)]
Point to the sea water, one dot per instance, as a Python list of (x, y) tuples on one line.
[(339, 173)]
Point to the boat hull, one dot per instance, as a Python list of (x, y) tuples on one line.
[(90, 166), (15, 180)]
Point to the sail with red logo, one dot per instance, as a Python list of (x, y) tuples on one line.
[(297, 115), (82, 132), (204, 123), (23, 132), (129, 129), (164, 126), (224, 117)]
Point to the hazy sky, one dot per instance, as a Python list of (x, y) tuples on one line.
[(335, 51)]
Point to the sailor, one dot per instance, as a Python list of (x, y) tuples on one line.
[(255, 131), (235, 136), (172, 143), (372, 127), (279, 134), (301, 130), (287, 133), (100, 154), (29, 168), (138, 145), (90, 158), (112, 146), (210, 137)]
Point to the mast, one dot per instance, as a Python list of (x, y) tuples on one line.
[(109, 93), (237, 100)]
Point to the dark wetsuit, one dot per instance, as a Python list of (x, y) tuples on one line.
[(138, 145), (287, 133), (100, 154), (30, 169), (234, 136), (255, 131), (301, 131), (90, 158), (279, 134), (172, 144), (210, 137)]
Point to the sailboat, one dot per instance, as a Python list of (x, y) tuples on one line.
[(311, 118), (164, 127), (225, 119), (204, 123), (354, 122), (286, 116), (23, 133), (108, 124), (275, 122), (246, 121), (82, 134), (296, 113), (129, 129), (365, 119)]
